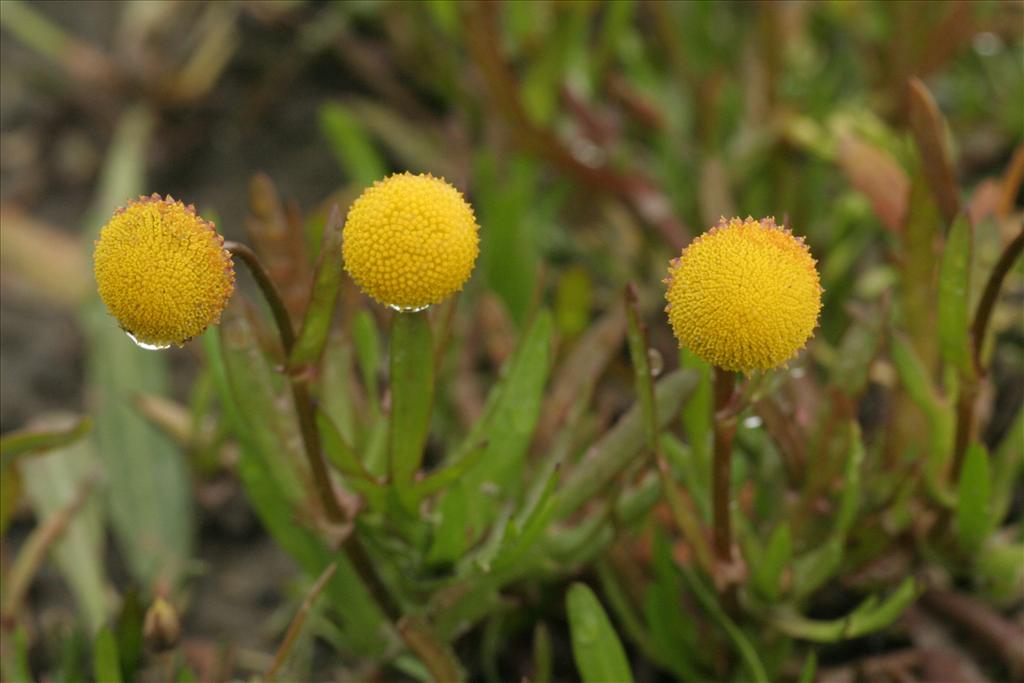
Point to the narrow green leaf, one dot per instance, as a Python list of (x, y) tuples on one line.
[(129, 634), (767, 574), (644, 383), (106, 661), (696, 415), (447, 475), (509, 429), (341, 456), (810, 668), (1007, 468), (813, 569), (449, 542), (871, 615), (596, 648), (973, 512), (351, 144), (954, 284), (52, 481), (850, 501), (367, 343), (28, 441), (316, 324), (541, 654), (16, 667), (412, 395), (748, 653), (917, 382)]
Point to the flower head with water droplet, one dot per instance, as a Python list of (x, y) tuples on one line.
[(410, 241), (745, 295), (162, 271)]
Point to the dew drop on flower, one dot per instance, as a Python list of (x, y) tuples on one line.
[(655, 361), (144, 345), (408, 309)]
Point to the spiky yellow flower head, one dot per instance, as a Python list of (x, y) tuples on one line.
[(745, 295), (410, 241), (162, 271)]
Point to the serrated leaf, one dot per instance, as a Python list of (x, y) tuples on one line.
[(412, 396), (973, 511), (954, 273), (599, 655)]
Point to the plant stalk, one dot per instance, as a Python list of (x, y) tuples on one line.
[(724, 431), (300, 388)]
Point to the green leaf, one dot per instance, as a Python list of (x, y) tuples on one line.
[(106, 661), (129, 634), (412, 395), (954, 284), (916, 380), (351, 144), (813, 569), (871, 615), (16, 668), (341, 455), (449, 542), (973, 500), (1007, 468), (696, 415), (366, 340), (767, 573), (28, 441), (596, 648), (619, 446), (748, 653), (810, 667), (509, 428), (850, 501), (51, 482), (316, 323)]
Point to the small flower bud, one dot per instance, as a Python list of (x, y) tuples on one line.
[(161, 628)]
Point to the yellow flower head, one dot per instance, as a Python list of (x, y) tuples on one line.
[(410, 241), (162, 271), (745, 295)]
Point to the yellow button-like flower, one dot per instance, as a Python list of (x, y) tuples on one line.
[(162, 271), (745, 295), (410, 241)]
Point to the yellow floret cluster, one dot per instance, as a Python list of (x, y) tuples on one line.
[(745, 295), (410, 241), (162, 271)]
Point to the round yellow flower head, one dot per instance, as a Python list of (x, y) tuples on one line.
[(745, 295), (410, 241), (162, 271)]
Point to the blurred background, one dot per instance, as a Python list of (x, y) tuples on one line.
[(594, 139)]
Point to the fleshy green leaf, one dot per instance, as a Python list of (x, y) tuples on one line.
[(316, 324), (412, 395), (596, 648), (767, 573), (28, 441), (106, 661), (871, 615), (954, 286), (973, 511)]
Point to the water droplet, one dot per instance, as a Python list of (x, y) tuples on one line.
[(144, 345), (797, 373), (408, 309), (656, 362), (752, 422)]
